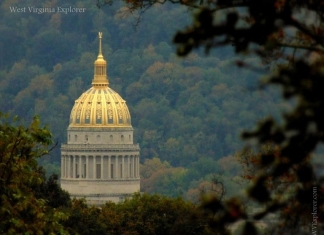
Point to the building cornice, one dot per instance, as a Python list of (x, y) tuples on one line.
[(100, 147)]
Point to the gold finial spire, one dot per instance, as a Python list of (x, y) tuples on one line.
[(100, 37), (100, 67)]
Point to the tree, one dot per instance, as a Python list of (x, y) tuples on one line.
[(287, 35), (142, 214), (87, 220), (22, 212), (153, 165), (52, 192)]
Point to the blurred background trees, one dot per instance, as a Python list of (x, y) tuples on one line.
[(187, 111)]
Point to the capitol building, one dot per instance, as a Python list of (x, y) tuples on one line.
[(100, 162)]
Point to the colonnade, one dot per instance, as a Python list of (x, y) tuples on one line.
[(99, 167)]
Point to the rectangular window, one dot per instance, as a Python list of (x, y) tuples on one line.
[(112, 171), (130, 170), (98, 171), (121, 170)]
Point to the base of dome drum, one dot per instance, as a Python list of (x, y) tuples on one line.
[(102, 199), (100, 191)]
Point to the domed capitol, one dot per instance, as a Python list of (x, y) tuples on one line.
[(100, 161)]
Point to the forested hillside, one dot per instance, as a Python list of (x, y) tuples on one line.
[(187, 112)]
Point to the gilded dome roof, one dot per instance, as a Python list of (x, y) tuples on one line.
[(100, 106)]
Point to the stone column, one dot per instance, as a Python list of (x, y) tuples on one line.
[(101, 165), (123, 168), (109, 167), (64, 159), (62, 167), (80, 166), (138, 167), (133, 167), (69, 166), (66, 166), (94, 167), (116, 166), (126, 167), (130, 165), (73, 167), (135, 158), (87, 167)]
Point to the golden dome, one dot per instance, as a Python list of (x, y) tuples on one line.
[(100, 106)]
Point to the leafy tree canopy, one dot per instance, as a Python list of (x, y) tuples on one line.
[(142, 214), (22, 210)]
